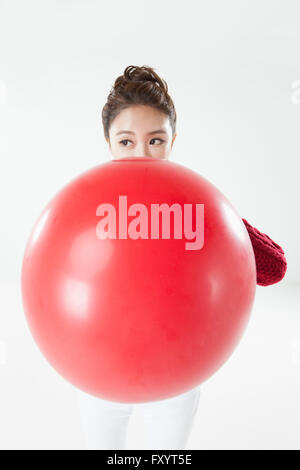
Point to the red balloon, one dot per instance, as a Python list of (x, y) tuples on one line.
[(129, 305)]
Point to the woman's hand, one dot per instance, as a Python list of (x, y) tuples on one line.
[(271, 264)]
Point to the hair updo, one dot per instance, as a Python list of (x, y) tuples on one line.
[(138, 85)]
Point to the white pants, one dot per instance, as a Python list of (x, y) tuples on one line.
[(168, 422)]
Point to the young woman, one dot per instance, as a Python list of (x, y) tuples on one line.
[(139, 120)]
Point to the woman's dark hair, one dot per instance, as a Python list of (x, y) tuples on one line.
[(138, 85)]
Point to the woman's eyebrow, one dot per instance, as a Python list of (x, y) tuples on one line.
[(158, 131)]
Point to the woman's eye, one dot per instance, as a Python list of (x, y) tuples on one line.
[(157, 139), (126, 140)]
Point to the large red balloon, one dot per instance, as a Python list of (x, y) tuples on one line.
[(133, 319)]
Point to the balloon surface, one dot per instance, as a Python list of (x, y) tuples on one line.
[(138, 280)]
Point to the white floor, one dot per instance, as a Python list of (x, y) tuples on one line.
[(252, 402)]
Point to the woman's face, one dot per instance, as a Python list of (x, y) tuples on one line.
[(140, 131)]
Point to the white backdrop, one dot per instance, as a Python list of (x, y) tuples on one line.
[(233, 72)]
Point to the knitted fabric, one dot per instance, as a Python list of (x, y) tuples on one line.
[(271, 264)]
